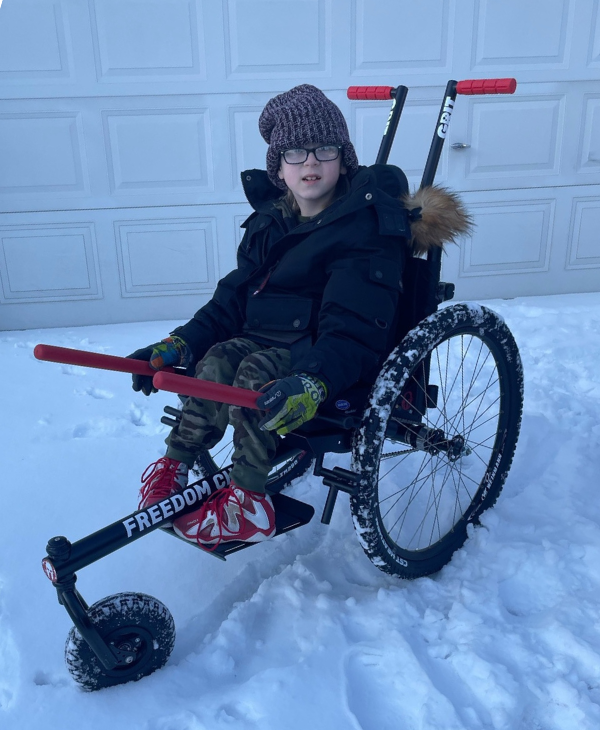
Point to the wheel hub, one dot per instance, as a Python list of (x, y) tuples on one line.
[(128, 649), (456, 448), (431, 440)]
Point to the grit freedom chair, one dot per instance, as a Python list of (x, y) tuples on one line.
[(431, 441)]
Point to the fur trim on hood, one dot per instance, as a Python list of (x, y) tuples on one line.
[(437, 216)]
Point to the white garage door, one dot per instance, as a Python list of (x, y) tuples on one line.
[(124, 125)]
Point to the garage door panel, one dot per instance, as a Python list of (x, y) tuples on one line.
[(277, 37), (516, 138), (509, 238), (34, 41), (593, 55), (166, 257), (584, 246), (389, 35), (147, 40), (512, 32), (589, 151), (158, 149), (45, 263), (42, 153)]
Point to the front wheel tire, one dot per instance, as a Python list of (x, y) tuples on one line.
[(134, 622)]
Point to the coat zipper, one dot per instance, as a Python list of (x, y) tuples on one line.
[(263, 283)]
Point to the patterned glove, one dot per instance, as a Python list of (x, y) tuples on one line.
[(290, 402), (170, 351)]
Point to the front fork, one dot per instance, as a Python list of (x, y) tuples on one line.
[(110, 655)]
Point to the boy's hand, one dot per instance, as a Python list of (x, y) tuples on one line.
[(170, 351), (290, 402)]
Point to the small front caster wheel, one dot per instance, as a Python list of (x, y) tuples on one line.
[(139, 626)]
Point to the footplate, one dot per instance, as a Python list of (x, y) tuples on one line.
[(289, 514)]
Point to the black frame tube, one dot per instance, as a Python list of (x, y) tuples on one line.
[(439, 135), (399, 96), (77, 610), (434, 257)]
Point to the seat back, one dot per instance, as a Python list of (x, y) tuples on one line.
[(416, 300)]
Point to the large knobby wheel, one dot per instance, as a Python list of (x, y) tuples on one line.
[(132, 622), (437, 439), (280, 476)]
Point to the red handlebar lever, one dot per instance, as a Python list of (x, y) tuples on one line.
[(486, 86), (86, 359), (185, 385), (375, 93), (468, 88), (164, 380)]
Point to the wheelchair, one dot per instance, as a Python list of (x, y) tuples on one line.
[(431, 444)]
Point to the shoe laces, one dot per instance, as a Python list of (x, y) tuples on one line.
[(217, 502), (157, 479)]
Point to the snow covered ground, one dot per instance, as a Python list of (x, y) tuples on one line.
[(303, 632)]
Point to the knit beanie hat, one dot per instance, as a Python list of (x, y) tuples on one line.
[(301, 116)]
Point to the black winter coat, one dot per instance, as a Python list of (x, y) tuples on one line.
[(329, 289)]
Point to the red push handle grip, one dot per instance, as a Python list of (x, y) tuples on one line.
[(371, 93), (486, 86), (92, 360), (164, 380), (184, 385)]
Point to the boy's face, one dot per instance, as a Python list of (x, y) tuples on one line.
[(312, 182)]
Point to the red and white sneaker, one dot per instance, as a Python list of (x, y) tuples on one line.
[(161, 479), (229, 514)]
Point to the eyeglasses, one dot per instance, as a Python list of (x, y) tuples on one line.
[(323, 154)]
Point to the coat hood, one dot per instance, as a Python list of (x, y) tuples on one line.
[(437, 215)]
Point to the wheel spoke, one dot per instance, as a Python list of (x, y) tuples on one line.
[(402, 492), (427, 510), (480, 397), (219, 458), (474, 377), (422, 499)]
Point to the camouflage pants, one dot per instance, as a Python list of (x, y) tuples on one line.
[(245, 364)]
